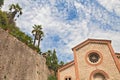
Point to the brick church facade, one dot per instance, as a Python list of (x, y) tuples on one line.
[(93, 60)]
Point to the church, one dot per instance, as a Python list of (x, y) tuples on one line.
[(94, 59)]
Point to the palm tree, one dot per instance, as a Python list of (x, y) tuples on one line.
[(15, 9), (38, 34)]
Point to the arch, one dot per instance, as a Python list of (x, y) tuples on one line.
[(100, 73), (99, 76)]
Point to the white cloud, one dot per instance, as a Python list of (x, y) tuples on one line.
[(63, 34), (111, 5)]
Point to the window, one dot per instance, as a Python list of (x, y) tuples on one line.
[(99, 76), (93, 57), (68, 78)]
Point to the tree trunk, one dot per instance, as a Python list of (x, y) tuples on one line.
[(12, 16), (39, 41), (34, 40)]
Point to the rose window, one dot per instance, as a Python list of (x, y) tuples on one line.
[(94, 57)]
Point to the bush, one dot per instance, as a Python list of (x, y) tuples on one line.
[(15, 31), (52, 77), (3, 20)]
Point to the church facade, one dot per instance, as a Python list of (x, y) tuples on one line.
[(93, 60)]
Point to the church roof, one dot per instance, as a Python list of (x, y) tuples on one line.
[(90, 41), (66, 65)]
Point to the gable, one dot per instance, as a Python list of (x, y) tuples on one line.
[(66, 66), (88, 42), (67, 71)]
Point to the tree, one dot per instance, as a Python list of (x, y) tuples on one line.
[(15, 10), (38, 34), (61, 63), (1, 3), (52, 60), (49, 58), (12, 28)]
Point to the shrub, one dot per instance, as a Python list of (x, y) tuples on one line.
[(52, 77), (3, 20)]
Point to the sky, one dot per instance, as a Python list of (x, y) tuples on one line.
[(67, 23)]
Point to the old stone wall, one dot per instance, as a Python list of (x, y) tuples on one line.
[(18, 61)]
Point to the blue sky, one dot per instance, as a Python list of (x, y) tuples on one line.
[(67, 23)]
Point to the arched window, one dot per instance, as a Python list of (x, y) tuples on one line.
[(99, 76), (68, 78)]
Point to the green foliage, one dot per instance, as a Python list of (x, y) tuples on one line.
[(49, 58), (24, 38), (61, 63), (15, 31), (52, 60), (1, 3), (3, 20), (14, 13), (52, 77), (21, 36), (38, 34)]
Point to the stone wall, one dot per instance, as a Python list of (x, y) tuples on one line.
[(18, 61)]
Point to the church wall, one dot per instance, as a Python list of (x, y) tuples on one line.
[(68, 72), (107, 63)]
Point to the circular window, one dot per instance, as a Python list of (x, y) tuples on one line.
[(93, 57)]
